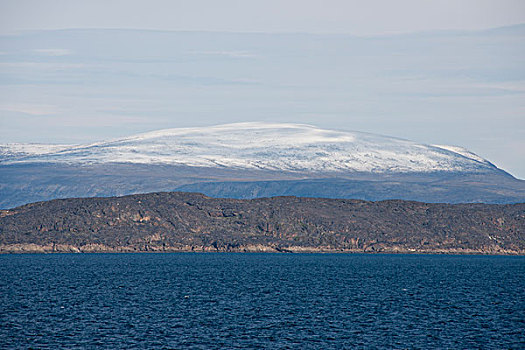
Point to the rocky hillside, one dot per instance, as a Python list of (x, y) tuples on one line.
[(194, 222)]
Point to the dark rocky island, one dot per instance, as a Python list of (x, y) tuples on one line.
[(193, 222)]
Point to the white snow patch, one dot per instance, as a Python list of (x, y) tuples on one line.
[(464, 152)]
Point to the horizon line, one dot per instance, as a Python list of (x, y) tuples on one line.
[(257, 32)]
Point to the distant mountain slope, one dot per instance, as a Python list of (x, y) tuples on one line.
[(193, 222), (249, 160)]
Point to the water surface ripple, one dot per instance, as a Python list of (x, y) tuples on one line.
[(271, 301)]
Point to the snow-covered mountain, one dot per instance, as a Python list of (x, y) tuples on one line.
[(276, 147), (250, 160)]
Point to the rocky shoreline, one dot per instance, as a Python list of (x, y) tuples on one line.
[(90, 249)]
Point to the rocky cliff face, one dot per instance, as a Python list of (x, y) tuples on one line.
[(194, 222)]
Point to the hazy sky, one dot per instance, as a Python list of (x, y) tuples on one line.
[(365, 17), (464, 86)]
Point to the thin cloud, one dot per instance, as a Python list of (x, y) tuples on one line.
[(53, 52), (44, 65), (31, 109), (232, 54)]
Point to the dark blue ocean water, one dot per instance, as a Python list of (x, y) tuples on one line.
[(301, 301)]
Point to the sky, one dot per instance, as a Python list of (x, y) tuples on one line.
[(429, 71), (370, 17)]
